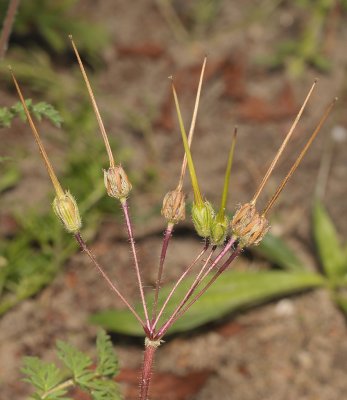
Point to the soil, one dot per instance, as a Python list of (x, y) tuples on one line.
[(293, 348)]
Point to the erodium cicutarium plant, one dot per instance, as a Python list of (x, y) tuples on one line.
[(223, 239)]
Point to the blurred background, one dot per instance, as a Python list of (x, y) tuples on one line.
[(283, 336)]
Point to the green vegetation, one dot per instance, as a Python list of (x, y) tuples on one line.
[(31, 258), (237, 290), (53, 383), (39, 110), (34, 253), (307, 48), (46, 24)]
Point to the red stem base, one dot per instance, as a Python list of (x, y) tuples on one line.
[(151, 347)]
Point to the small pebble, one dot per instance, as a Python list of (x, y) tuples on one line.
[(285, 308)]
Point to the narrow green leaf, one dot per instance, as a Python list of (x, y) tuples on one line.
[(120, 321), (330, 251), (277, 252), (234, 290)]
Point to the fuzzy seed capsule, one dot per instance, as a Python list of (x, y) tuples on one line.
[(219, 231), (203, 216), (248, 226), (65, 207), (116, 182), (174, 205)]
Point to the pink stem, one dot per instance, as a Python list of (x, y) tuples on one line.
[(84, 248), (178, 282), (146, 374), (196, 282), (179, 311), (125, 207), (167, 236), (210, 268), (186, 308)]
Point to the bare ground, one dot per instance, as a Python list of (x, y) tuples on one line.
[(289, 349)]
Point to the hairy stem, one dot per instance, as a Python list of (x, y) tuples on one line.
[(178, 282), (125, 208), (197, 280), (85, 248), (179, 310), (166, 239), (202, 291), (7, 26), (146, 375)]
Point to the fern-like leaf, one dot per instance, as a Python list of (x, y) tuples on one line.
[(104, 390), (40, 110), (107, 359), (46, 110), (48, 379), (76, 361), (44, 377)]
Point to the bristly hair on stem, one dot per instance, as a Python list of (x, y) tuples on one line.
[(179, 280), (164, 328), (193, 286), (218, 273), (85, 248), (125, 208)]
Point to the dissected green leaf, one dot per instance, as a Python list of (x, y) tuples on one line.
[(107, 359), (39, 110), (48, 379), (76, 361), (5, 117), (330, 251), (43, 109), (43, 376), (18, 109), (232, 291), (104, 390), (277, 252)]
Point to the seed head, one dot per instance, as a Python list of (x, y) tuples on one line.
[(117, 182), (65, 207), (248, 226), (203, 216), (174, 204), (219, 231)]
